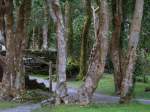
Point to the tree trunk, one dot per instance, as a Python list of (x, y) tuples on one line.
[(116, 53), (45, 29), (45, 37), (127, 83), (61, 89), (84, 36), (98, 56), (6, 82), (2, 23), (69, 27), (13, 79)]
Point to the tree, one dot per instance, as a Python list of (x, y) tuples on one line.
[(127, 83), (2, 23), (45, 28), (98, 55), (13, 83), (61, 89), (116, 50), (84, 37), (69, 27)]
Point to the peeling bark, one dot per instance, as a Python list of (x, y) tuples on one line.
[(69, 27), (84, 36), (45, 37), (127, 83), (98, 56), (2, 23), (45, 29), (13, 79), (116, 53), (61, 88)]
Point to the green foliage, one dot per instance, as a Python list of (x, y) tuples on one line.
[(52, 40), (77, 26), (37, 13), (141, 67), (145, 32), (72, 68)]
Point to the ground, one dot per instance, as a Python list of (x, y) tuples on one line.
[(104, 95), (106, 86), (97, 108), (5, 105), (22, 108)]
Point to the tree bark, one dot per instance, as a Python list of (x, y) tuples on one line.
[(45, 37), (116, 53), (98, 56), (69, 27), (61, 88), (13, 79), (127, 83), (84, 36), (45, 29), (2, 22)]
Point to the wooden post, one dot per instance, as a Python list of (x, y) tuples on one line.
[(50, 78)]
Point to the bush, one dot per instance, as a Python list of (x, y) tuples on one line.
[(141, 64), (72, 68)]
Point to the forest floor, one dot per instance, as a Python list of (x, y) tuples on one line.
[(104, 100), (98, 97)]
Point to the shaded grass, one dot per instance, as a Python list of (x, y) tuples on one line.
[(106, 86), (40, 76), (5, 105), (140, 90), (97, 108)]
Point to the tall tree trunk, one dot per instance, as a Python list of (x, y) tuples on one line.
[(69, 27), (127, 83), (116, 53), (98, 56), (45, 37), (6, 82), (13, 79), (84, 36), (45, 29), (61, 89), (2, 23)]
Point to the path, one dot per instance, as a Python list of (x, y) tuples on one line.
[(97, 98), (23, 108)]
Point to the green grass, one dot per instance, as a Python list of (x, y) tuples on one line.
[(5, 105), (40, 76), (139, 90), (97, 108), (106, 86)]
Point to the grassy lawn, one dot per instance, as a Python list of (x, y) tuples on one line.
[(40, 76), (97, 108), (106, 86), (5, 105)]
